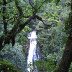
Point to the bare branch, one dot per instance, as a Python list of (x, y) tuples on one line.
[(31, 3), (41, 5), (8, 38), (19, 8), (39, 18)]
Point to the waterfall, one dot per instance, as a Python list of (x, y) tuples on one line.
[(32, 50)]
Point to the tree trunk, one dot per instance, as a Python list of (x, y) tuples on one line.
[(66, 58), (67, 55)]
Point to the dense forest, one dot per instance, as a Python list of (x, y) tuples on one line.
[(51, 20)]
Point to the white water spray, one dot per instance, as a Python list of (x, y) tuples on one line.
[(32, 50)]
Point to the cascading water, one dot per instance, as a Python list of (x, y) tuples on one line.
[(32, 50)]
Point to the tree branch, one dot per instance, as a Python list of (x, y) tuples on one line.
[(6, 39), (4, 16), (10, 36), (31, 3), (67, 55)]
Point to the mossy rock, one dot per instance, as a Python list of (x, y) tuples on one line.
[(6, 66)]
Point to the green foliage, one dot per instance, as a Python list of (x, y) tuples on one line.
[(57, 1), (46, 65), (52, 38), (70, 69), (51, 35), (6, 66)]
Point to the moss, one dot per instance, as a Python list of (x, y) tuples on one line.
[(6, 66)]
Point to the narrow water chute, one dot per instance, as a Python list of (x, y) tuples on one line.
[(32, 49)]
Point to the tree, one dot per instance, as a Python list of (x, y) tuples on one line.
[(67, 55), (9, 35)]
